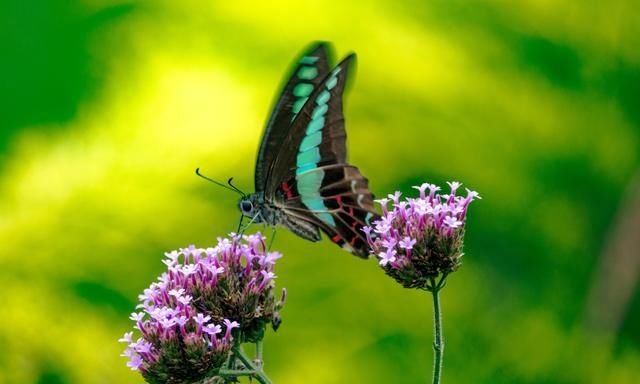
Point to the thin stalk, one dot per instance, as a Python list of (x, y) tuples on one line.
[(438, 343), (259, 375), (236, 372), (259, 349)]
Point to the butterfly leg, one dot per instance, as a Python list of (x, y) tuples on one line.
[(240, 224), (242, 229), (273, 236)]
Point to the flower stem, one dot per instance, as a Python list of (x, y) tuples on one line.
[(258, 359), (438, 343), (259, 375), (236, 372)]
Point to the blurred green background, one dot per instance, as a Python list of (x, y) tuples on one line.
[(107, 107)]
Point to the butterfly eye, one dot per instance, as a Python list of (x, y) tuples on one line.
[(246, 206)]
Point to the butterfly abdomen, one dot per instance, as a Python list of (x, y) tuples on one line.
[(301, 227)]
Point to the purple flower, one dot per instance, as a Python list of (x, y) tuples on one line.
[(256, 241), (383, 203), (432, 190), (454, 185), (181, 320), (422, 207), (143, 346), (452, 222), (407, 243), (388, 256), (230, 284), (184, 300), (126, 338), (230, 325), (395, 197), (270, 258), (172, 258), (421, 237), (266, 277), (385, 223), (212, 329), (401, 209), (135, 362), (137, 316), (200, 319), (422, 188), (367, 231), (167, 323), (128, 352), (215, 270), (389, 243), (472, 194), (189, 269)]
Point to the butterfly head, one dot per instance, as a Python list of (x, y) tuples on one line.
[(250, 206), (246, 206)]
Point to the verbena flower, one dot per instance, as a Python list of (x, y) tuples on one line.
[(188, 316), (420, 238)]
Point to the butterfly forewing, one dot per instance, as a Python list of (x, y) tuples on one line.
[(310, 69), (310, 178)]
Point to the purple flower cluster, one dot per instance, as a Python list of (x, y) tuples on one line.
[(421, 238), (182, 313)]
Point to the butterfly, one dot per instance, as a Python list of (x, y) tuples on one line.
[(302, 179)]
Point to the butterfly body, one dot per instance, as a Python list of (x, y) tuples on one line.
[(302, 179), (260, 211)]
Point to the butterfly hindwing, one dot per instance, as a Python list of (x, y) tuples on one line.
[(341, 206), (308, 72)]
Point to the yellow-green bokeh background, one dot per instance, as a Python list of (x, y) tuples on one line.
[(107, 107)]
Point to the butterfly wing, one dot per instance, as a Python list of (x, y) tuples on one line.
[(310, 69), (310, 178), (340, 207)]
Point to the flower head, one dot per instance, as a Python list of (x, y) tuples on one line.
[(183, 313), (422, 237)]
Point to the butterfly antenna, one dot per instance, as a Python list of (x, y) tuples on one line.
[(232, 188)]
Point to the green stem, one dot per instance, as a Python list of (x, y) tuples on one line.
[(258, 359), (438, 343), (236, 372), (259, 375)]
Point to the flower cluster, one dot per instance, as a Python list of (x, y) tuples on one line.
[(182, 313), (420, 238)]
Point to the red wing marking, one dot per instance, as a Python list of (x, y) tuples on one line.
[(288, 192)]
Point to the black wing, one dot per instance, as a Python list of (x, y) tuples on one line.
[(312, 66), (310, 177)]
